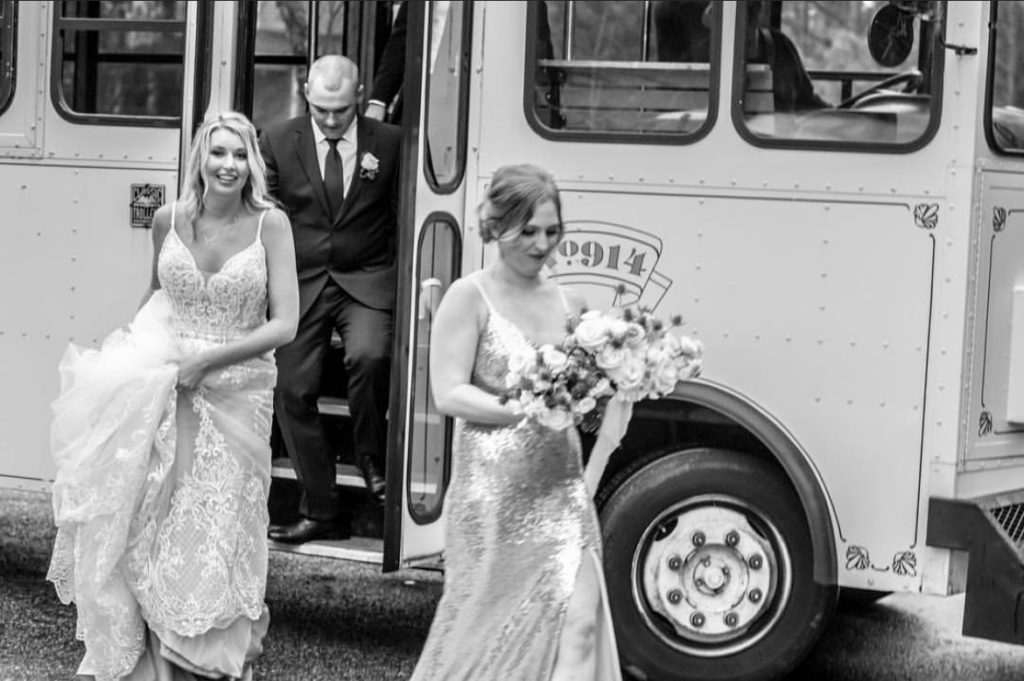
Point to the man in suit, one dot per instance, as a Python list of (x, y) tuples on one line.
[(336, 173)]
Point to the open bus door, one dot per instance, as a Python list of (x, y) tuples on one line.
[(429, 255), (274, 46)]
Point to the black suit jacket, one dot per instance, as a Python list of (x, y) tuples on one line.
[(355, 248), (387, 83)]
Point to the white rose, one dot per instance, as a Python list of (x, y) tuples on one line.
[(519, 362), (690, 347), (555, 360), (585, 405), (601, 388), (590, 333), (666, 376), (556, 419), (369, 162), (628, 376), (618, 328), (610, 357)]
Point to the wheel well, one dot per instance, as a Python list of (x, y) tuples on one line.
[(705, 414)]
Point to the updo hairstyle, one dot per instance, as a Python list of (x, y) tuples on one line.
[(514, 194)]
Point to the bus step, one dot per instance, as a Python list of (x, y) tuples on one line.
[(991, 530), (346, 475), (333, 406), (359, 549)]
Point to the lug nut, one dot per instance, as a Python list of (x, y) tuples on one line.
[(755, 595), (755, 562), (674, 563), (731, 619), (674, 596), (733, 538), (697, 619), (698, 538)]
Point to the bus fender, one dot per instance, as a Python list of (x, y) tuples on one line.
[(788, 453)]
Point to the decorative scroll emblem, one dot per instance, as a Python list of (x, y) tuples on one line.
[(905, 563), (985, 424), (857, 558), (619, 259), (998, 218), (926, 215), (146, 198)]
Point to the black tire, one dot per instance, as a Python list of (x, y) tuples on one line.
[(648, 519)]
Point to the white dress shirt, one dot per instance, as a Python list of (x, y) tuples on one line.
[(347, 147)]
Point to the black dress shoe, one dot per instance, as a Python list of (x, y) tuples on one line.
[(308, 529), (373, 478)]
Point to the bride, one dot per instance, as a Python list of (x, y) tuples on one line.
[(524, 594), (161, 437)]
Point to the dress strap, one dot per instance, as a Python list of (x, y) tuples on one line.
[(565, 301), (475, 278), (174, 208), (259, 225)]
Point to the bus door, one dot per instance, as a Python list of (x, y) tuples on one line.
[(91, 105), (430, 255)]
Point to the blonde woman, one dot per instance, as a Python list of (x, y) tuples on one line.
[(161, 437)]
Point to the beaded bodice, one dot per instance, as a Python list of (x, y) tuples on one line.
[(218, 306)]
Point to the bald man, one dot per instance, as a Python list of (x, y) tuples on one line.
[(336, 174)]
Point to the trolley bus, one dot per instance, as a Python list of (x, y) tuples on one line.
[(852, 259)]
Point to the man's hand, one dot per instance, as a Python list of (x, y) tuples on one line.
[(375, 110)]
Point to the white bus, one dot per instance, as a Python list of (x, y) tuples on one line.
[(843, 234)]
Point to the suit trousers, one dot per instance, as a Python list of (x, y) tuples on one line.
[(366, 335)]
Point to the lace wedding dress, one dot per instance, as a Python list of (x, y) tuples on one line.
[(160, 498), (520, 523)]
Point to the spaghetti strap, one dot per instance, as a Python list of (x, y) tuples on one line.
[(174, 208), (259, 225), (565, 301), (475, 278)]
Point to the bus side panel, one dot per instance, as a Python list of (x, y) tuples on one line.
[(995, 418), (818, 312), (73, 270)]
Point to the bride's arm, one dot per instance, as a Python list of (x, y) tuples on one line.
[(453, 342), (160, 227), (283, 291)]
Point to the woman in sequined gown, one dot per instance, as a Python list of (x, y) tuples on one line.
[(161, 437), (524, 596)]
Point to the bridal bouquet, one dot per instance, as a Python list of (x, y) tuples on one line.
[(620, 355), (608, 362)]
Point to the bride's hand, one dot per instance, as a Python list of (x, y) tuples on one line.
[(192, 370)]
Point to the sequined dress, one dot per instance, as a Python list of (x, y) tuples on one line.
[(160, 498), (519, 523)]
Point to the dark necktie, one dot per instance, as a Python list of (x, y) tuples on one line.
[(334, 177)]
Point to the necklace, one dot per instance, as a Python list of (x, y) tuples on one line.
[(208, 236)]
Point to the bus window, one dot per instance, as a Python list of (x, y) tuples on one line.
[(282, 50), (447, 93), (119, 62), (623, 70), (1005, 124), (279, 66), (7, 28), (843, 74)]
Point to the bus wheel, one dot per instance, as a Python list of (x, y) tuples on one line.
[(709, 569)]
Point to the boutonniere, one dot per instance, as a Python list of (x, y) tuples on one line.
[(369, 166)]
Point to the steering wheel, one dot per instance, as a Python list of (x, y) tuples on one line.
[(912, 77)]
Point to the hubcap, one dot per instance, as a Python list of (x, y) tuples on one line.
[(710, 575)]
